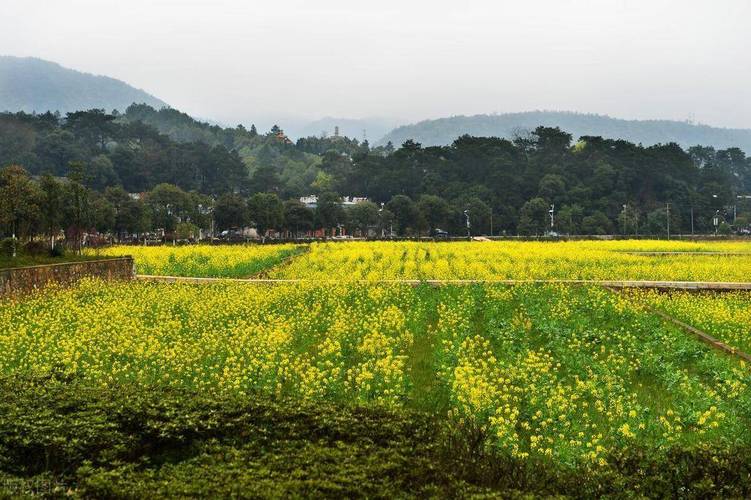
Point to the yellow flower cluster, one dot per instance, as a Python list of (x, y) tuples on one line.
[(303, 340), (607, 260), (222, 261), (726, 316), (580, 381)]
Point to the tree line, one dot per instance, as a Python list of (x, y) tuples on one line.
[(134, 173)]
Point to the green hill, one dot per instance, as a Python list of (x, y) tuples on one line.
[(34, 85), (444, 131)]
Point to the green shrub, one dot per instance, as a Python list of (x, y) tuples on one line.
[(57, 251), (61, 437)]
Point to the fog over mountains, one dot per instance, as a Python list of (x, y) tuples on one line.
[(372, 129), (34, 85)]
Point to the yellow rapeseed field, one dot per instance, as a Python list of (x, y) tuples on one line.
[(726, 316), (226, 261), (603, 260), (571, 374)]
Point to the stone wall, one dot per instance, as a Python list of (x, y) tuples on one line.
[(26, 279)]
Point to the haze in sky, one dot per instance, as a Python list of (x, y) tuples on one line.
[(249, 61)]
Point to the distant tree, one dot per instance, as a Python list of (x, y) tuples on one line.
[(230, 211), (100, 173), (51, 207), (433, 210), (297, 217), (266, 211), (265, 179), (169, 205), (223, 172), (339, 168), (405, 212), (323, 182), (131, 169), (569, 219), (329, 211), (479, 215), (628, 220), (131, 215), (19, 203), (253, 130), (533, 218), (386, 221), (552, 188), (364, 215), (78, 212), (95, 126), (200, 210), (603, 179), (56, 149), (597, 223), (102, 213), (551, 140), (186, 231), (657, 221)]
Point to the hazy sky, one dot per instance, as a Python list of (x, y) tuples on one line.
[(244, 61)]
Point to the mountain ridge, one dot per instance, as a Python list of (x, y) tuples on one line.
[(35, 85), (443, 131)]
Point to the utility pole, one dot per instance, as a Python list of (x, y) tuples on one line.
[(380, 214), (491, 222), (552, 216), (716, 221), (667, 212), (692, 220), (466, 214)]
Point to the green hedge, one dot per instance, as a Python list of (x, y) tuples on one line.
[(60, 437)]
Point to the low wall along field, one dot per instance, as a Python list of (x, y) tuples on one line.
[(25, 279)]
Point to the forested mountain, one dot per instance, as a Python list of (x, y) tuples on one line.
[(34, 85), (144, 147), (443, 131)]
